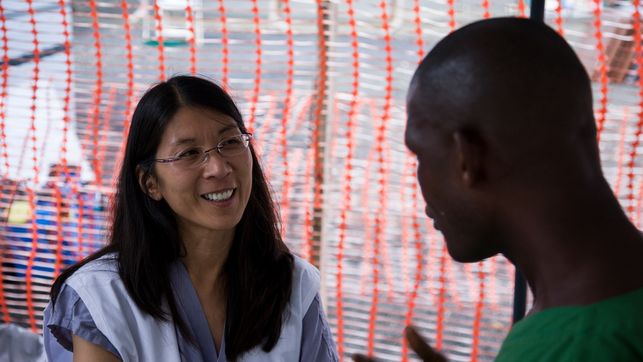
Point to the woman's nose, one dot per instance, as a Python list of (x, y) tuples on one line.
[(215, 165)]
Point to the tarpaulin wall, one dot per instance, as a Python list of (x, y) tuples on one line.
[(322, 86)]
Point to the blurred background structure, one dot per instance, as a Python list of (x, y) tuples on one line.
[(322, 85)]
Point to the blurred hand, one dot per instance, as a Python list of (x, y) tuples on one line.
[(417, 343), (421, 348)]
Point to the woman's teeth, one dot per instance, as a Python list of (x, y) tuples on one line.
[(219, 196)]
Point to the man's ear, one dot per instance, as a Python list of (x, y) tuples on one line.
[(470, 151), (148, 183)]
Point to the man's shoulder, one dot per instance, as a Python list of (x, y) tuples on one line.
[(590, 345), (613, 327)]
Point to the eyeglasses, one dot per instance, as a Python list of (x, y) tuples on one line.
[(195, 157)]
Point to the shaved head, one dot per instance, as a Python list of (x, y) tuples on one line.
[(514, 80), (499, 117)]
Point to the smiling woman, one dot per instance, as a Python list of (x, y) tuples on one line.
[(207, 194), (195, 268)]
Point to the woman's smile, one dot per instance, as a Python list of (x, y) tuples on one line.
[(221, 199)]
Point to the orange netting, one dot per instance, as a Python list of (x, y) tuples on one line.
[(322, 85)]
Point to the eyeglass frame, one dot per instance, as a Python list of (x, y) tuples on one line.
[(246, 138)]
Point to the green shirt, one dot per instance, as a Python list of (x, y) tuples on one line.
[(610, 330)]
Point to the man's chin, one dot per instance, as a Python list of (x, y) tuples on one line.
[(464, 259), (466, 256)]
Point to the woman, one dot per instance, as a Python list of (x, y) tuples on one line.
[(195, 268)]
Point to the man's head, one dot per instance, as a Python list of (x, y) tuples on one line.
[(498, 110)]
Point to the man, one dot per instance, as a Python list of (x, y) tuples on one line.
[(500, 119)]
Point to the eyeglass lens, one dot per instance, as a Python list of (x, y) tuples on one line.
[(231, 146)]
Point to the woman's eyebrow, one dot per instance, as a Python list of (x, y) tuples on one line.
[(184, 141), (228, 128), (192, 140)]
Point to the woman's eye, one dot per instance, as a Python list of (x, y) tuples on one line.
[(231, 142), (189, 153)]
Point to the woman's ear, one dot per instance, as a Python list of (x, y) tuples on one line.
[(148, 183)]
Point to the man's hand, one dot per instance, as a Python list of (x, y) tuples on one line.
[(417, 343), (421, 348)]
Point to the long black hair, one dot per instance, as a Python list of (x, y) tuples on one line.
[(258, 271)]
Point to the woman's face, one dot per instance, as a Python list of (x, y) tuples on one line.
[(211, 197)]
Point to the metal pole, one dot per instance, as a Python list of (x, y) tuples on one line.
[(537, 10), (520, 297), (323, 113), (520, 287)]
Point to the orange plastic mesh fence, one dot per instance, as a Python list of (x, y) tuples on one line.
[(322, 85)]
